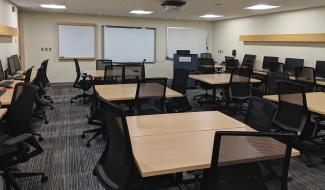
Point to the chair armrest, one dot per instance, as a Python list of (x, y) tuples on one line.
[(17, 139)]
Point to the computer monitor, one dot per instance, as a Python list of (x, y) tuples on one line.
[(17, 62), (2, 73), (268, 60), (291, 64), (183, 52), (320, 69), (11, 66)]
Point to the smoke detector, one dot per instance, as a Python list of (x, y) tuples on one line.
[(172, 5)]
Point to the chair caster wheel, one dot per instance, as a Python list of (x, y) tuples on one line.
[(46, 122), (83, 136), (40, 139), (88, 145), (44, 179), (51, 108)]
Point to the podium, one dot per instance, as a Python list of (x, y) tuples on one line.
[(188, 62)]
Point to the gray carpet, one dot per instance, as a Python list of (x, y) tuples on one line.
[(69, 163)]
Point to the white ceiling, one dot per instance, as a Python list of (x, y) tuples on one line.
[(191, 11)]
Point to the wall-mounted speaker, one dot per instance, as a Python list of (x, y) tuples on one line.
[(234, 53)]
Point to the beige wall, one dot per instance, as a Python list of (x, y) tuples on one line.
[(40, 30), (8, 45), (226, 35)]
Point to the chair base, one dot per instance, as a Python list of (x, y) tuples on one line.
[(83, 96), (10, 176), (97, 131)]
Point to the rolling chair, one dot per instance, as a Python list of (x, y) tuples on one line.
[(268, 61), (276, 67), (320, 69), (17, 62), (102, 63), (82, 84), (248, 61), (291, 64), (306, 76)]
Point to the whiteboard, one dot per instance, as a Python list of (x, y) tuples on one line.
[(128, 44), (77, 41), (193, 39)]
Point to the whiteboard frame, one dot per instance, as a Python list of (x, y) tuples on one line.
[(78, 24), (136, 27)]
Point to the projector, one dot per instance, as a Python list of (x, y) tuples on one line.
[(172, 5)]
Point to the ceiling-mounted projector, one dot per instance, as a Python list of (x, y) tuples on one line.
[(172, 5)]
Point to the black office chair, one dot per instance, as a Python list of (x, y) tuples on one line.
[(116, 168), (231, 64), (291, 64), (179, 84), (320, 69), (276, 67), (82, 84), (2, 73), (17, 62), (249, 175), (206, 56), (28, 75), (271, 81), (150, 93), (102, 63), (14, 150), (206, 66), (248, 61), (260, 114), (137, 68), (293, 115), (268, 60), (239, 89), (11, 66), (117, 77), (306, 76)]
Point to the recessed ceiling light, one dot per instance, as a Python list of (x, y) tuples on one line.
[(141, 12), (52, 6), (211, 16), (262, 7)]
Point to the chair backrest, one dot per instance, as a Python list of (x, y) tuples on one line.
[(116, 165), (44, 65), (276, 67), (28, 75), (206, 56), (260, 114), (230, 64), (268, 60), (114, 74), (239, 146), (102, 63), (291, 64), (293, 113), (272, 79), (17, 62), (306, 76), (150, 90), (239, 85), (320, 69), (78, 72), (21, 107), (248, 61), (180, 80), (11, 66), (206, 65), (2, 73), (134, 72)]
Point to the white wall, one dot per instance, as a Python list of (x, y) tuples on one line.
[(226, 35), (40, 30), (8, 45)]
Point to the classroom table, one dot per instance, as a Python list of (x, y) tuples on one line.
[(315, 101), (183, 148), (216, 79), (3, 111), (113, 73), (120, 92), (264, 73)]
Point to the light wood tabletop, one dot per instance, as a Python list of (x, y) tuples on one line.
[(180, 122), (3, 111), (216, 79), (180, 152), (118, 92), (101, 73), (315, 101)]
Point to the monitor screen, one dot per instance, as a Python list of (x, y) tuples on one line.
[(292, 63), (268, 60), (11, 66)]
